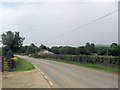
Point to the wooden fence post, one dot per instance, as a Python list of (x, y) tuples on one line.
[(2, 63)]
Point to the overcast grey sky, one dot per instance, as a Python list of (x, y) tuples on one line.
[(43, 22)]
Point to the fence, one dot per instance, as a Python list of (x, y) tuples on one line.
[(7, 64)]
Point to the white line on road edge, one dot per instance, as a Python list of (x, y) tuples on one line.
[(44, 76), (40, 61), (50, 83), (41, 72)]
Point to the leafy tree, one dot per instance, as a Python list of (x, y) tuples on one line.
[(88, 47), (22, 49), (62, 50), (93, 49), (55, 50), (119, 50), (101, 50), (42, 47), (12, 40), (88, 52), (32, 45), (113, 50), (68, 50), (74, 51), (5, 49), (31, 49), (82, 50), (9, 54), (113, 45)]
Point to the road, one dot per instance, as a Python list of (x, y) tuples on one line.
[(71, 76)]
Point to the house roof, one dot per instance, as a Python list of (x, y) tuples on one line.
[(44, 51)]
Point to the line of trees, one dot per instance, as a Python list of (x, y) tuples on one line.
[(13, 44), (88, 49), (32, 48)]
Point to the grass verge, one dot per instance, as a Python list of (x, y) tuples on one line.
[(23, 65), (96, 66), (5, 65)]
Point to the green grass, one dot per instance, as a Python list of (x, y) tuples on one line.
[(23, 65), (5, 65), (109, 56), (96, 66)]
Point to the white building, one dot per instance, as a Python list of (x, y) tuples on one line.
[(44, 51)]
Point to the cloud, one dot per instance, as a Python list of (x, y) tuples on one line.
[(60, 0), (39, 22)]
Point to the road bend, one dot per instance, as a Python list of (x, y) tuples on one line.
[(64, 75)]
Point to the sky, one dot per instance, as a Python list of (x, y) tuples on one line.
[(57, 23)]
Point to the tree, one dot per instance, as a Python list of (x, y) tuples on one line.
[(119, 50), (113, 45), (12, 41), (88, 48), (113, 50), (82, 50), (62, 50), (67, 50), (55, 50), (42, 47), (101, 50), (31, 49), (32, 45), (22, 49), (93, 49), (9, 54), (5, 49)]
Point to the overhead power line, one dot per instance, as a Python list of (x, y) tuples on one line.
[(76, 29)]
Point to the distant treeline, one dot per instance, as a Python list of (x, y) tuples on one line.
[(88, 49)]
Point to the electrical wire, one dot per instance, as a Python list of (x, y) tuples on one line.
[(85, 25)]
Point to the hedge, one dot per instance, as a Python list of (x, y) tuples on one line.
[(83, 59)]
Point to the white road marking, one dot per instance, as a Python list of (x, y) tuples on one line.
[(41, 72), (50, 83), (43, 76), (40, 61)]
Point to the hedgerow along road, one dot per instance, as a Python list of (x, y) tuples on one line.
[(63, 75)]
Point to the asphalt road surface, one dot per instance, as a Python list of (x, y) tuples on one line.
[(71, 76)]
